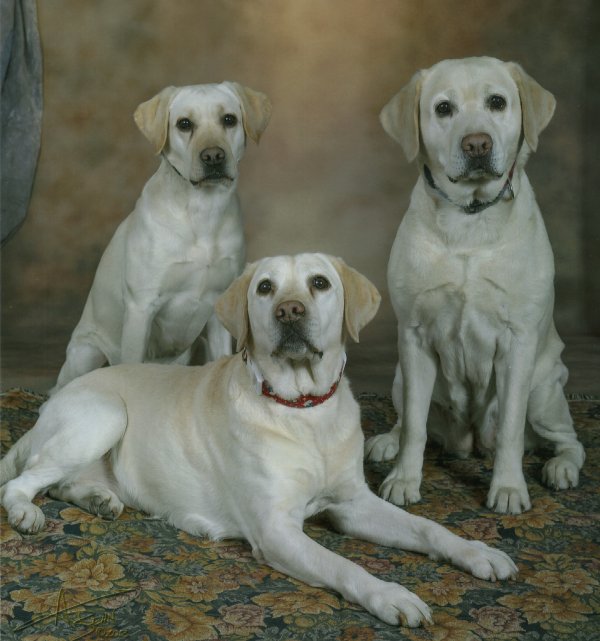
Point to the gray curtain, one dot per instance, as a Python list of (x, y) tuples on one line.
[(21, 109)]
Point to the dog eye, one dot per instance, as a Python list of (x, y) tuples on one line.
[(496, 103), (229, 120), (443, 109), (185, 124), (320, 282), (264, 287)]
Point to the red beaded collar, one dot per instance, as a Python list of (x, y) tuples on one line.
[(301, 402)]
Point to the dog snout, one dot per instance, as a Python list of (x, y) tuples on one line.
[(212, 156), (290, 311), (477, 145)]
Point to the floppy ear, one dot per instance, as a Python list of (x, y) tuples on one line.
[(256, 109), (400, 117), (537, 104), (152, 118), (232, 307), (361, 298)]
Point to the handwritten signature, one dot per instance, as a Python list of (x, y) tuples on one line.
[(101, 623)]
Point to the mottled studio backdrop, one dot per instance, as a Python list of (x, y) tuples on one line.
[(325, 176)]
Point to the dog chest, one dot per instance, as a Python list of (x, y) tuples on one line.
[(185, 303), (463, 318), (198, 273), (305, 459)]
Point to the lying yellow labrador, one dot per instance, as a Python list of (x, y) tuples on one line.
[(247, 446), (471, 281), (183, 244)]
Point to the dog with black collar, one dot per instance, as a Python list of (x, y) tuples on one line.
[(156, 284), (248, 446), (470, 277)]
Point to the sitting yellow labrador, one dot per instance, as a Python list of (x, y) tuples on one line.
[(247, 446), (183, 244), (471, 280)]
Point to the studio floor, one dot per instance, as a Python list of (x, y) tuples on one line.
[(34, 366)]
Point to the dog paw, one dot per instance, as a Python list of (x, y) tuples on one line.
[(560, 473), (26, 518), (105, 504), (400, 490), (396, 605), (508, 500), (487, 563), (382, 447)]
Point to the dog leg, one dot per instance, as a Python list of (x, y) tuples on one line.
[(219, 339), (384, 447), (76, 428), (283, 545), (90, 490), (370, 518), (548, 414), (419, 369), (137, 324), (91, 497), (82, 357), (508, 492)]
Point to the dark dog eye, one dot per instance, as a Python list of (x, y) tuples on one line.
[(264, 287), (230, 120), (185, 124), (443, 109), (320, 282), (496, 103)]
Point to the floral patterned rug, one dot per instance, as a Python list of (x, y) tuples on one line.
[(139, 579)]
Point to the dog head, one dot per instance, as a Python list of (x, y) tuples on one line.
[(297, 307), (201, 129), (467, 119)]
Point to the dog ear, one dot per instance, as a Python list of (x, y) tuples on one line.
[(537, 104), (400, 117), (152, 118), (256, 109), (361, 298), (232, 307)]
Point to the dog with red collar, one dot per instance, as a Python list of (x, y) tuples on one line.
[(247, 446)]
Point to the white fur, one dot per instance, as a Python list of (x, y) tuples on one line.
[(479, 355), (183, 244), (201, 448)]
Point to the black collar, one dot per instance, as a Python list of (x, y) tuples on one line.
[(476, 206)]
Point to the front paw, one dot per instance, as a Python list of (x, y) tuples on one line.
[(382, 447), (400, 489), (486, 563), (396, 605), (509, 498), (26, 518)]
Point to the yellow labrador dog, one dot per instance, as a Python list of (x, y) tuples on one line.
[(247, 446), (471, 281), (183, 244)]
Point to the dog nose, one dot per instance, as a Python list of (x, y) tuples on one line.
[(477, 145), (212, 156), (290, 311)]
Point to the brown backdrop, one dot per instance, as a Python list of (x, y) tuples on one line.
[(325, 176)]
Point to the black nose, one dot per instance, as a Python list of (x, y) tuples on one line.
[(477, 145), (290, 311), (212, 156)]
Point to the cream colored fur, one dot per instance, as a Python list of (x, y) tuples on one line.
[(183, 244), (202, 448), (479, 355)]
